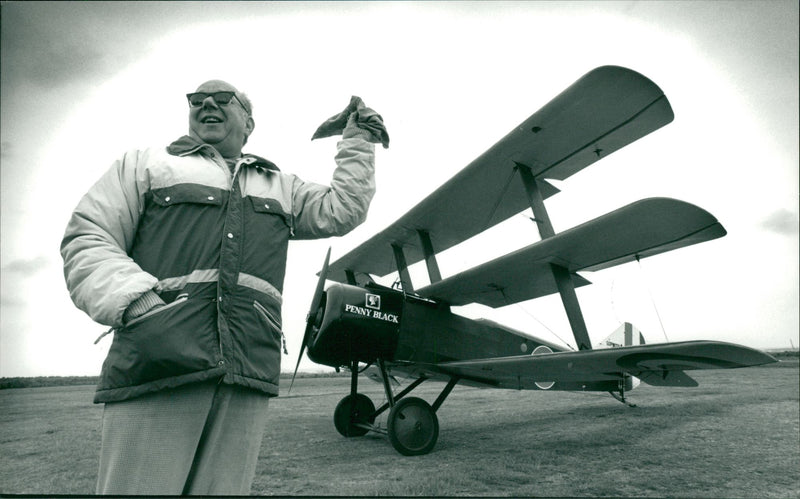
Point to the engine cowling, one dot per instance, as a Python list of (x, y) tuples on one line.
[(355, 323)]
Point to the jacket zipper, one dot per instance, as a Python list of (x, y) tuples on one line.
[(221, 362), (272, 322)]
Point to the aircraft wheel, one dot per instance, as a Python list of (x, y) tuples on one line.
[(413, 427), (364, 413)]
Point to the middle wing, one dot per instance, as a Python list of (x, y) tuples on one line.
[(641, 229)]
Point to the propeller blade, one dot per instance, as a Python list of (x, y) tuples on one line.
[(312, 313)]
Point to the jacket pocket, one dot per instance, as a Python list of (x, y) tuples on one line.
[(266, 206), (175, 233), (173, 340), (158, 310)]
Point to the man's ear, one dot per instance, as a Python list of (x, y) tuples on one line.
[(250, 125)]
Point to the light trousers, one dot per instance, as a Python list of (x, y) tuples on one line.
[(198, 439)]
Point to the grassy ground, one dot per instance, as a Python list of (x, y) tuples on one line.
[(736, 435)]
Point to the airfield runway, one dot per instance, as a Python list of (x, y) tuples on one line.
[(734, 436)]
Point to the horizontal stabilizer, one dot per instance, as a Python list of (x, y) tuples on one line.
[(638, 230), (603, 111), (666, 361), (667, 378)]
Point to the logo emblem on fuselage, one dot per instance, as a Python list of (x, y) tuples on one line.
[(373, 301), (372, 309)]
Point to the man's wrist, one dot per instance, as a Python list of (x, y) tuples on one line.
[(142, 305)]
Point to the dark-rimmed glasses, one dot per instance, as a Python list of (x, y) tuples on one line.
[(223, 97)]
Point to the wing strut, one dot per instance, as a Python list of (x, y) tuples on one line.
[(402, 268), (430, 256), (562, 277)]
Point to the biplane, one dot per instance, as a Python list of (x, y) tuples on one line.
[(412, 332)]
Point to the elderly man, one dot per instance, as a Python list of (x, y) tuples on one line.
[(182, 251)]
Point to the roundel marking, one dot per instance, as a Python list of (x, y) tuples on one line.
[(541, 349)]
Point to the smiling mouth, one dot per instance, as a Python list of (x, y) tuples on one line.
[(210, 120)]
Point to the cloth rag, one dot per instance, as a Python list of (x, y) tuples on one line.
[(365, 119)]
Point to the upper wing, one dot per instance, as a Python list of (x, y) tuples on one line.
[(641, 229), (653, 364), (603, 111)]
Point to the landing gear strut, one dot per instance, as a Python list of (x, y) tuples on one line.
[(412, 424), (621, 395)]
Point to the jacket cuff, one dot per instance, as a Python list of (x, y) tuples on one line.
[(140, 306), (356, 131)]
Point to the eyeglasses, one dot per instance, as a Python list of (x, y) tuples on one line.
[(196, 99)]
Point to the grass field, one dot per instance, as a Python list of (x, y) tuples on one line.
[(736, 435)]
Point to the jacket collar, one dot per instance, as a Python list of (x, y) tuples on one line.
[(188, 145)]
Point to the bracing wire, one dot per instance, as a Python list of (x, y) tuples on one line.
[(508, 302), (487, 223), (652, 300), (494, 209)]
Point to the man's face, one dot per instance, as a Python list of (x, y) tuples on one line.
[(223, 126)]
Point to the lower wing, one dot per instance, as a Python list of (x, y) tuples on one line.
[(658, 364)]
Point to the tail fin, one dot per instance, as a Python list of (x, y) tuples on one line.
[(624, 336)]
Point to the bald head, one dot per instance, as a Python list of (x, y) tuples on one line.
[(216, 85)]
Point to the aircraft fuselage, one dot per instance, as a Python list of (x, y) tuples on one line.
[(365, 324)]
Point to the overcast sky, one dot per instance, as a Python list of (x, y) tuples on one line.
[(84, 82)]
